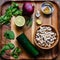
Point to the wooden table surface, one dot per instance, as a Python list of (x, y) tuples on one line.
[(58, 1)]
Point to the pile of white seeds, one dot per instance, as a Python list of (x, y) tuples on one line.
[(45, 36)]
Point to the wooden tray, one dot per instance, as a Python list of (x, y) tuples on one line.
[(51, 20)]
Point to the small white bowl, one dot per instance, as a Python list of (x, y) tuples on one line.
[(48, 5)]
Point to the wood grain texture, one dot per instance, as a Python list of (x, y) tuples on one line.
[(51, 53)]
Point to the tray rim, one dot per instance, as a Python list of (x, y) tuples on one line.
[(55, 2)]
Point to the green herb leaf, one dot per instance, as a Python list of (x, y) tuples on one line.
[(29, 22), (2, 52), (16, 52), (14, 4), (9, 34), (17, 12), (14, 10), (15, 56), (11, 10), (11, 45), (6, 47)]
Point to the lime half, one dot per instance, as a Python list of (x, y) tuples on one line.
[(19, 21)]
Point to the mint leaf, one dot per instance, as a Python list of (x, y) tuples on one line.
[(15, 56), (11, 45), (9, 34), (29, 22), (14, 4), (2, 52), (6, 47), (16, 52)]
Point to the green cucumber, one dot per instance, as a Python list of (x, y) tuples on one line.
[(27, 45)]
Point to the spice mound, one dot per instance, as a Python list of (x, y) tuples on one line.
[(45, 36)]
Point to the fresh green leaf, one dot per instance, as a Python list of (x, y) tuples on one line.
[(4, 19), (14, 10), (1, 19), (15, 56), (11, 10), (6, 47), (16, 52), (11, 45), (8, 14), (7, 18), (9, 34), (18, 12), (2, 52), (29, 22), (7, 23), (14, 4)]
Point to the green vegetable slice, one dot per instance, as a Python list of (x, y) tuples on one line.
[(9, 34)]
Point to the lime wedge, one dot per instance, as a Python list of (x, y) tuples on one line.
[(19, 21)]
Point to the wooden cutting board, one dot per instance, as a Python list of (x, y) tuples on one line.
[(29, 32)]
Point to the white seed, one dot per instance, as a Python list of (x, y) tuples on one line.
[(37, 39), (41, 41), (43, 44), (37, 34), (51, 42)]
